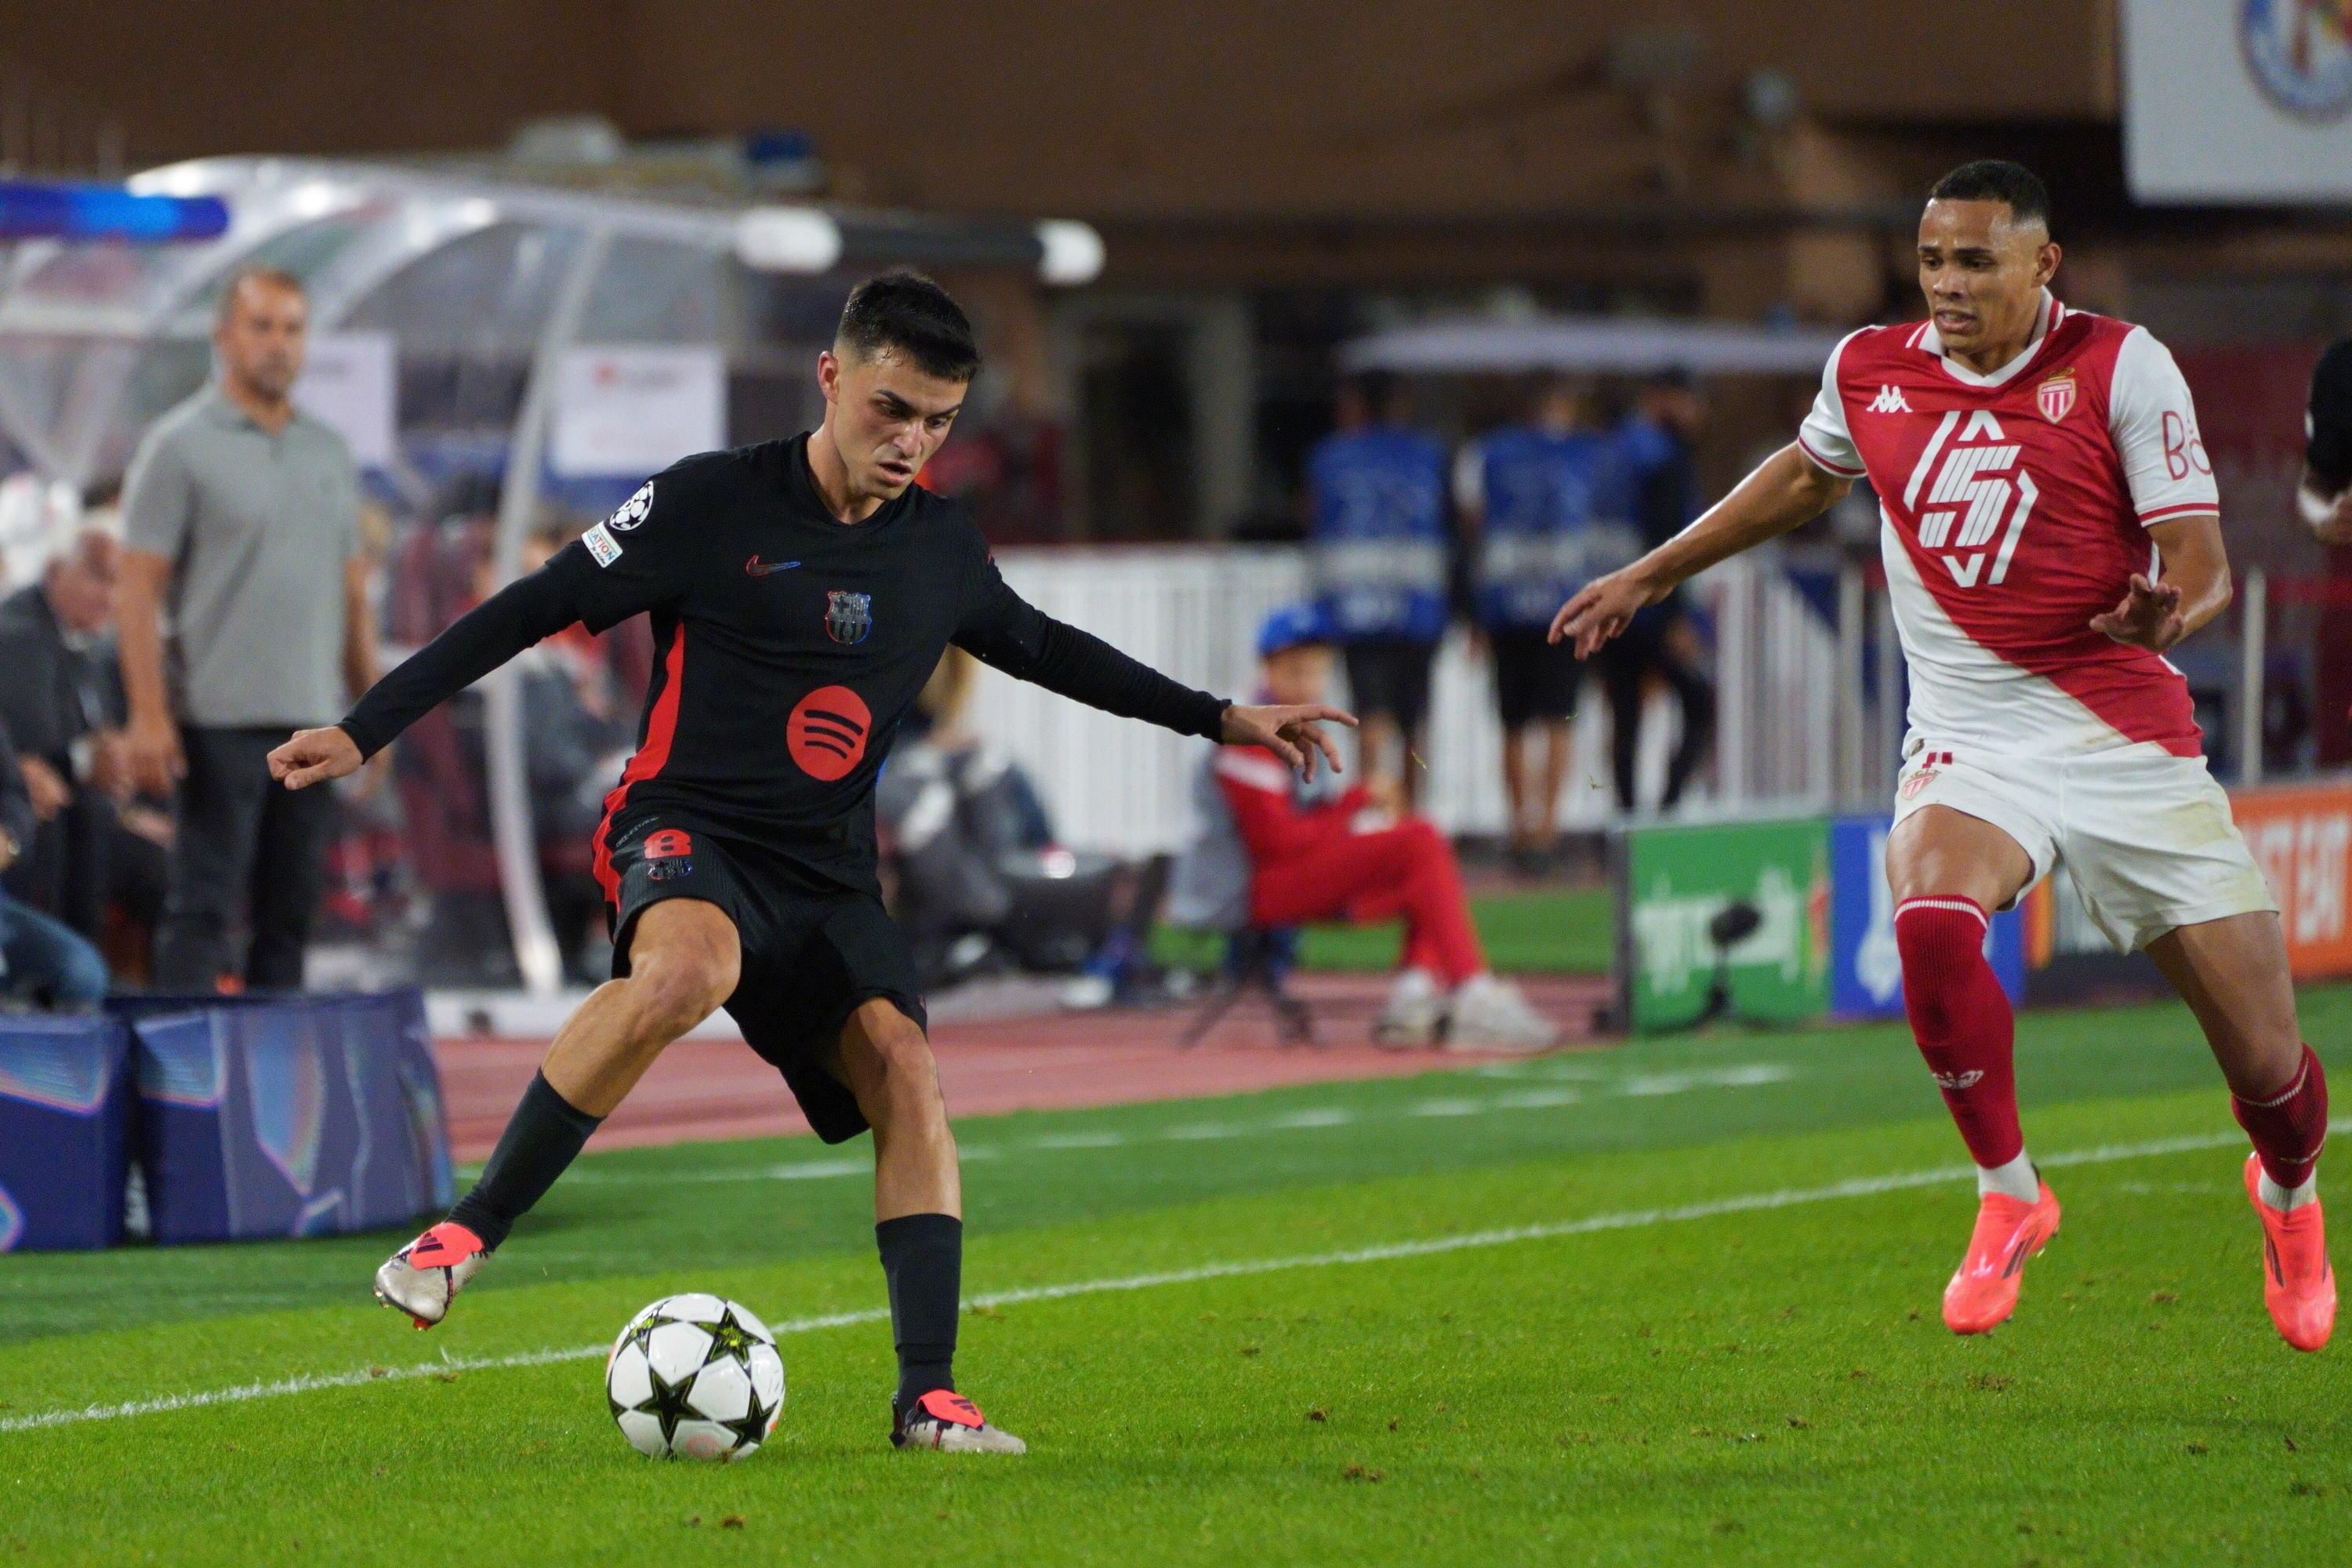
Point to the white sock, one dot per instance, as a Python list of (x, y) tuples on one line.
[(2286, 1198), (2018, 1179)]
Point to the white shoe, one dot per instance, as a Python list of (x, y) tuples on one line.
[(1414, 1010), (1490, 1015), (946, 1420), (424, 1276)]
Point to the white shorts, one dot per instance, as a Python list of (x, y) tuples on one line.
[(2147, 836)]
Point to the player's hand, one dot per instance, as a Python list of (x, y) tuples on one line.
[(1294, 734), (314, 756), (1602, 608), (152, 748), (2148, 616), (47, 787)]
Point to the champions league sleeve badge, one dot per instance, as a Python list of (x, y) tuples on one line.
[(633, 510)]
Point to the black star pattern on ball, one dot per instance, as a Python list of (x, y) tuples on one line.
[(668, 1404), (753, 1428), (729, 1338)]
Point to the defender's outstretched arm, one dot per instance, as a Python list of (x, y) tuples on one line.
[(1786, 491)]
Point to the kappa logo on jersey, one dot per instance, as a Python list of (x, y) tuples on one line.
[(1889, 401), (826, 732), (633, 510), (1977, 493), (2055, 396), (847, 617)]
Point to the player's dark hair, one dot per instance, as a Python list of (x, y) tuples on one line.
[(906, 312), (1997, 180)]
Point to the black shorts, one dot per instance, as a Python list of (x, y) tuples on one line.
[(1390, 676), (1534, 679), (812, 952)]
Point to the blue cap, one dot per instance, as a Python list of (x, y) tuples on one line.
[(1292, 625)]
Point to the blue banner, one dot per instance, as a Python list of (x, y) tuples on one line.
[(64, 1103), (1865, 972)]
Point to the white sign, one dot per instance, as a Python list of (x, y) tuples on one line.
[(351, 383), (2237, 100), (635, 409)]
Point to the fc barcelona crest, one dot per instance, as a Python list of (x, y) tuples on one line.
[(847, 617), (2056, 396)]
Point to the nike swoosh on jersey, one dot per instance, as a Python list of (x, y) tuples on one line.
[(759, 568)]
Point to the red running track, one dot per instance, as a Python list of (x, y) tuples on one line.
[(703, 1089)]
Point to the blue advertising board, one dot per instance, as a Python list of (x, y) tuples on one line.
[(1865, 972)]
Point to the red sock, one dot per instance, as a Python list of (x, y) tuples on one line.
[(1961, 1018), (2288, 1129)]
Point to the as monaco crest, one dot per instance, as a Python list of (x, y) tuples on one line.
[(848, 616), (2056, 396)]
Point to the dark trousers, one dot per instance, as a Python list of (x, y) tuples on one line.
[(241, 838), (1626, 666)]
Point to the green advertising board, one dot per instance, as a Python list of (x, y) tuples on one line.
[(1744, 901)]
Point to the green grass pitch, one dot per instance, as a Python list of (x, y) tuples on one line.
[(1675, 1301)]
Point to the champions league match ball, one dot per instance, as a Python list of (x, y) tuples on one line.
[(695, 1377)]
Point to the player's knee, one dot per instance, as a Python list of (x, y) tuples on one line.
[(902, 1076), (676, 989)]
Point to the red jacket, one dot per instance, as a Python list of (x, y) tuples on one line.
[(1274, 825)]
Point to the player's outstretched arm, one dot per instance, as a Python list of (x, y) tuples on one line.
[(2191, 587), (1785, 492)]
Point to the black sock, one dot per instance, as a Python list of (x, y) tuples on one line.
[(923, 1257), (542, 1138)]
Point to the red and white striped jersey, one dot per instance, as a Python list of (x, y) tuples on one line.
[(2014, 506)]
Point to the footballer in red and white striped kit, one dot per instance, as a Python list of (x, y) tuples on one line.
[(2050, 526)]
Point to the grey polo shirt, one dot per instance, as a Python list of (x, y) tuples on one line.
[(259, 527)]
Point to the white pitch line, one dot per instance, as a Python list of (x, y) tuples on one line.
[(1628, 1219), (1640, 1086)]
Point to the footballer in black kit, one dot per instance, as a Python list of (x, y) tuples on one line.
[(787, 647), (801, 593)]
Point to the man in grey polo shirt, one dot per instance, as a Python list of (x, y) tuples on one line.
[(241, 518)]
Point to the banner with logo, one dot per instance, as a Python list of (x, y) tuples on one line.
[(2237, 100), (633, 409), (2299, 835), (351, 383), (1723, 921), (1865, 972)]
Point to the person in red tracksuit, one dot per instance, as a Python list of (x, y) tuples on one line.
[(1358, 856)]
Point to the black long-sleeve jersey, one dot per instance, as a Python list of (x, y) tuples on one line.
[(788, 645)]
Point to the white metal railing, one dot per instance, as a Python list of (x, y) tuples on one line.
[(1193, 613)]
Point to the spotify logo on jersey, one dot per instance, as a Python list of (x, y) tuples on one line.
[(827, 731)]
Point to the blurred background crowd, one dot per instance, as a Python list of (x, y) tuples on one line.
[(1410, 363)]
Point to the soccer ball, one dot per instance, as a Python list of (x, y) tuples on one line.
[(694, 1376)]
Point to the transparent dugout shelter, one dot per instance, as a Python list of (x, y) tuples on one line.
[(479, 291)]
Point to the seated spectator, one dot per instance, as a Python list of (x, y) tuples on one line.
[(978, 880), (92, 848), (41, 960), (1312, 854)]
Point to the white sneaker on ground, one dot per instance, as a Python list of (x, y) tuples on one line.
[(1414, 1009), (423, 1277), (946, 1420), (1491, 1014)]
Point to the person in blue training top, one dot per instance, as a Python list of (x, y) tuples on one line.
[(1663, 643), (1549, 505), (1381, 545)]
